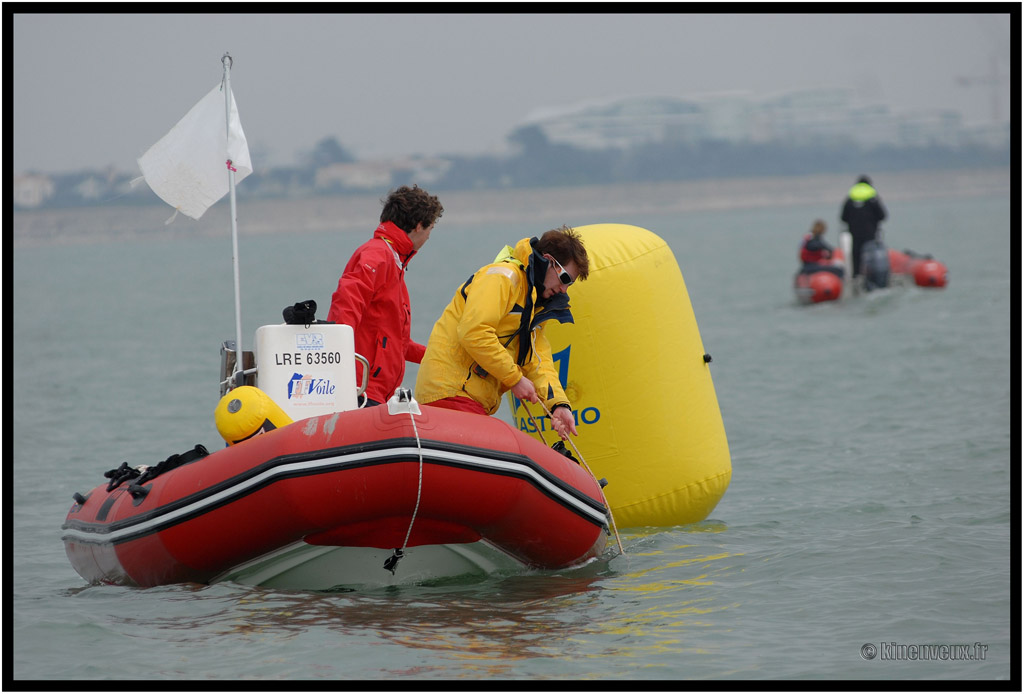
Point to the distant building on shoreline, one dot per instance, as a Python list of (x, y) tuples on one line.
[(828, 115)]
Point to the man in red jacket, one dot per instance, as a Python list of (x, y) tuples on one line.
[(372, 296)]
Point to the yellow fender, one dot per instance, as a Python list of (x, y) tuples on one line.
[(634, 369), (245, 412)]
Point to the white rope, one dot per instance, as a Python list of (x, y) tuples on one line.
[(600, 489), (403, 400), (419, 488)]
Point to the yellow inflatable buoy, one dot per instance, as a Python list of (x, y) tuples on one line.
[(245, 412), (635, 371)]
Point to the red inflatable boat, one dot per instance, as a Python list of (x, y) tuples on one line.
[(335, 499), (904, 267)]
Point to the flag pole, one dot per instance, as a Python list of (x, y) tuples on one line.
[(239, 375)]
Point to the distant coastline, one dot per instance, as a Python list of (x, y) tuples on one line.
[(548, 207)]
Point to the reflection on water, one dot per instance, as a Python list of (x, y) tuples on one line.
[(647, 607), (491, 619), (663, 601)]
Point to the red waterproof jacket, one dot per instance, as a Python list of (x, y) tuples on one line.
[(373, 299), (814, 250)]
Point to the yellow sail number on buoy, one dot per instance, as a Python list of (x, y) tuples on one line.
[(634, 368)]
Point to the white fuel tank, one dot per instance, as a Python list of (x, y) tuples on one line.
[(307, 370)]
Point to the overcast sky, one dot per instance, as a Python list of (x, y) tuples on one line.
[(92, 90)]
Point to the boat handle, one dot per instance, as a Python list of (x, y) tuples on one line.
[(366, 374)]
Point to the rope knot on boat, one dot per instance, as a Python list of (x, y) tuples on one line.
[(392, 561)]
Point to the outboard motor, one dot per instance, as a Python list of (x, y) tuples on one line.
[(874, 265)]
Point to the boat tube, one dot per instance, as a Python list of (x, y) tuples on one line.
[(923, 270), (818, 286)]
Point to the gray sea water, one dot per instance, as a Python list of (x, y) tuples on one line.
[(869, 510)]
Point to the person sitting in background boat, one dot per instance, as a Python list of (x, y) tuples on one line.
[(815, 251), (372, 296), (862, 212), (490, 338)]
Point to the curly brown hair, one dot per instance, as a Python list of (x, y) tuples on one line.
[(406, 207), (565, 244)]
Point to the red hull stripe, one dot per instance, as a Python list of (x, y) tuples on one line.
[(334, 460)]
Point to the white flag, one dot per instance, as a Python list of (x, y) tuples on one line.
[(188, 167)]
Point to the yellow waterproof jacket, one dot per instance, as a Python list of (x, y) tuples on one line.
[(474, 346)]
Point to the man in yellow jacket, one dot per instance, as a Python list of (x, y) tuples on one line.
[(490, 338)]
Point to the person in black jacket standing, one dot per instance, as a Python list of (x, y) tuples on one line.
[(862, 211)]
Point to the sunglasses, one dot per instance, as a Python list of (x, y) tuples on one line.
[(563, 276)]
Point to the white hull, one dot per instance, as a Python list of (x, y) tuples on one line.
[(301, 566)]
